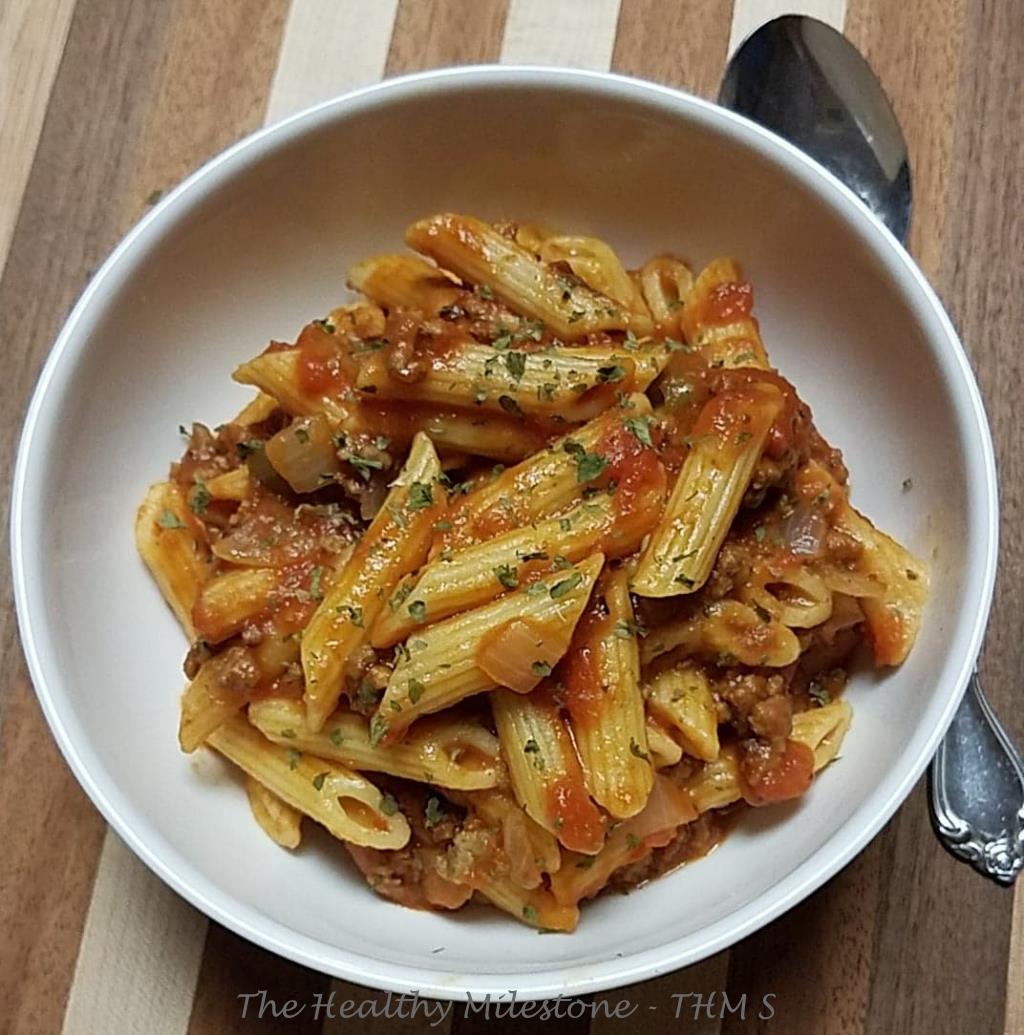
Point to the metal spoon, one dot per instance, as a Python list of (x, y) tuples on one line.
[(801, 79)]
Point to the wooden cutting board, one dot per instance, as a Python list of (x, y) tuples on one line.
[(106, 103)]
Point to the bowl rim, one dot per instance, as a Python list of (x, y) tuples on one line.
[(565, 980)]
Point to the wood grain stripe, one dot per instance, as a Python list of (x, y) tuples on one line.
[(573, 33), (139, 955), (749, 15), (330, 47), (71, 215), (445, 32), (682, 45), (32, 36), (1014, 1023), (135, 925)]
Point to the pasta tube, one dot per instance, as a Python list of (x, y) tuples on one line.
[(444, 751), (581, 876), (404, 281), (680, 698), (574, 384), (229, 600), (463, 655), (545, 483), (478, 253), (728, 438), (729, 632), (395, 544), (717, 317), (606, 706), (280, 821), (458, 581), (344, 802), (538, 907), (167, 539), (545, 771)]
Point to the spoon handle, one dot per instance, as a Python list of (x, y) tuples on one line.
[(977, 790)]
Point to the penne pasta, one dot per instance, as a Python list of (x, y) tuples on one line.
[(822, 730), (544, 769), (446, 752), (538, 907), (680, 699), (566, 433), (728, 439), (347, 804), (605, 703), (467, 578), (395, 543), (666, 283), (572, 384), (405, 281), (580, 876), (547, 482), (479, 254), (167, 540), (279, 820), (527, 631), (717, 317), (728, 632), (228, 601), (208, 701), (664, 751)]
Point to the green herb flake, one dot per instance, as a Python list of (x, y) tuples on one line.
[(302, 435), (759, 533), (388, 804), (418, 611), (336, 736), (507, 575), (434, 811), (566, 586), (293, 757), (637, 751), (516, 364), (318, 780), (530, 913), (818, 694), (442, 526), (421, 494), (641, 430), (378, 728), (610, 374), (416, 689), (589, 466), (315, 577), (532, 748), (541, 668), (353, 612), (288, 734), (509, 405), (365, 465), (199, 497), (168, 519)]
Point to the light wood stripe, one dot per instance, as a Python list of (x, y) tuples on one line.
[(330, 47), (749, 15), (575, 33), (139, 956), (1015, 967), (32, 37), (142, 946)]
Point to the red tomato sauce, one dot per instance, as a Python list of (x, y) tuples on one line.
[(574, 815), (584, 692), (778, 777), (320, 362)]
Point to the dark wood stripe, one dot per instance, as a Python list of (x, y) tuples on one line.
[(130, 111), (72, 213), (445, 32), (234, 968), (681, 44)]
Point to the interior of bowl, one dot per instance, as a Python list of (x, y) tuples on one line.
[(258, 245)]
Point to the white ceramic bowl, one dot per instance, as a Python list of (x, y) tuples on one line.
[(254, 245)]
